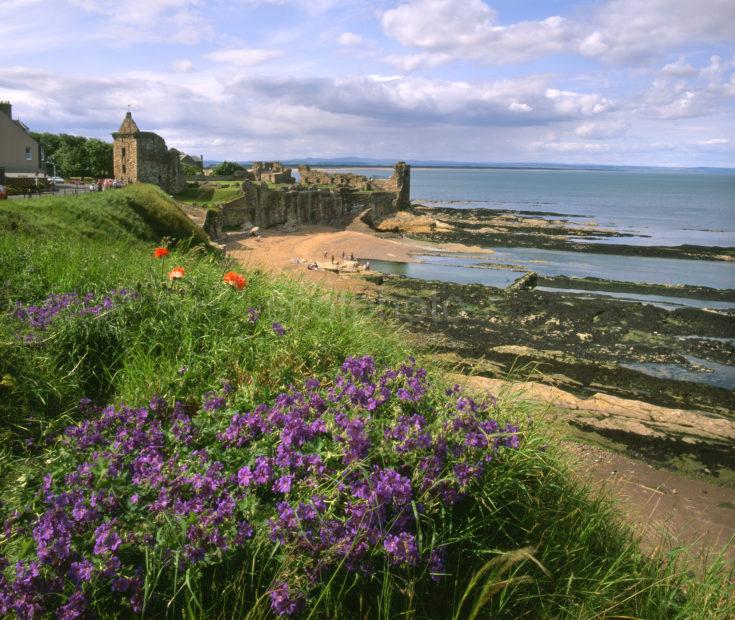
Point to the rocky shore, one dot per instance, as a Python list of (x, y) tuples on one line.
[(634, 376), (550, 231)]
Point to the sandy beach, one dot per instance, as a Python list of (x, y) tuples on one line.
[(277, 248)]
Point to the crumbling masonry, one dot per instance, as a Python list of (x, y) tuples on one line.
[(142, 157)]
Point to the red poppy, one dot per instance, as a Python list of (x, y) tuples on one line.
[(235, 280), (160, 252), (176, 273)]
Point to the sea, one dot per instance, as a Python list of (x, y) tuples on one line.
[(651, 207)]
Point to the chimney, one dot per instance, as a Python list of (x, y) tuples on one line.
[(7, 108)]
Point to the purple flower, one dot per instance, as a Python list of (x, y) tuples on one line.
[(244, 476), (253, 315), (81, 571), (213, 402), (402, 548), (75, 607), (106, 539), (283, 484), (284, 602), (278, 329)]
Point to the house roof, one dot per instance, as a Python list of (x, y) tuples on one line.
[(128, 125), (192, 157)]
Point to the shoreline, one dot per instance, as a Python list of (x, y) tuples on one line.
[(574, 343)]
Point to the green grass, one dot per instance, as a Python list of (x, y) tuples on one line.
[(211, 193), (532, 543)]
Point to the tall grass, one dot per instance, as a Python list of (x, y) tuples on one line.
[(527, 542)]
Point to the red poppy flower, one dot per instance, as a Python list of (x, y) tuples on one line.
[(160, 252), (235, 280), (176, 273)]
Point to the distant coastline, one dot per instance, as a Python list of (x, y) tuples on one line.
[(377, 164)]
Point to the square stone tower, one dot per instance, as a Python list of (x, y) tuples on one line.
[(125, 150), (142, 157)]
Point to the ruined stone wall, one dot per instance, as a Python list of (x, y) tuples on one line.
[(339, 179), (399, 182), (158, 164), (271, 172), (266, 207)]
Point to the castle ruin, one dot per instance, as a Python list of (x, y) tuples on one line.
[(142, 157)]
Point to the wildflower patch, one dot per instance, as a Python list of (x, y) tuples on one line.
[(352, 474)]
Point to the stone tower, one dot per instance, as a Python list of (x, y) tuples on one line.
[(142, 157), (125, 150)]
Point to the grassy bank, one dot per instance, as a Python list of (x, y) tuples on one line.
[(209, 194), (270, 451)]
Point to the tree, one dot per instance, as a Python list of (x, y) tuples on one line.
[(77, 155), (226, 168), (190, 171), (99, 158)]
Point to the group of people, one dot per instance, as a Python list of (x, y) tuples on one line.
[(366, 265)]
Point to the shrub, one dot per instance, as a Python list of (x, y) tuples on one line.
[(226, 168)]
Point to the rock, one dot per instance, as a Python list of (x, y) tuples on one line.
[(527, 282), (405, 222), (603, 412)]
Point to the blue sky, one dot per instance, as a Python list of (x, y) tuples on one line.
[(648, 82)]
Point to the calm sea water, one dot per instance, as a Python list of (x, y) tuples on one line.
[(658, 208), (662, 208)]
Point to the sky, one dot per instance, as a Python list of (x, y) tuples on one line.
[(638, 82)]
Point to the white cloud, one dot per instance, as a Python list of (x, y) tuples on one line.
[(243, 56), (409, 100), (601, 130), (699, 92), (616, 31), (568, 147), (349, 39), (446, 31), (714, 142), (520, 107), (632, 31), (679, 69), (127, 21), (182, 66)]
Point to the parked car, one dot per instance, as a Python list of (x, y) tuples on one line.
[(3, 193), (55, 179), (93, 187), (117, 184)]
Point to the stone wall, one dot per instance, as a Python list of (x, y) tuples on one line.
[(339, 179), (266, 207), (271, 172), (399, 182)]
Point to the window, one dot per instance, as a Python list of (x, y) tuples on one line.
[(124, 169), (123, 153), (29, 156)]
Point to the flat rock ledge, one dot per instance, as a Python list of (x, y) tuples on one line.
[(605, 413)]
